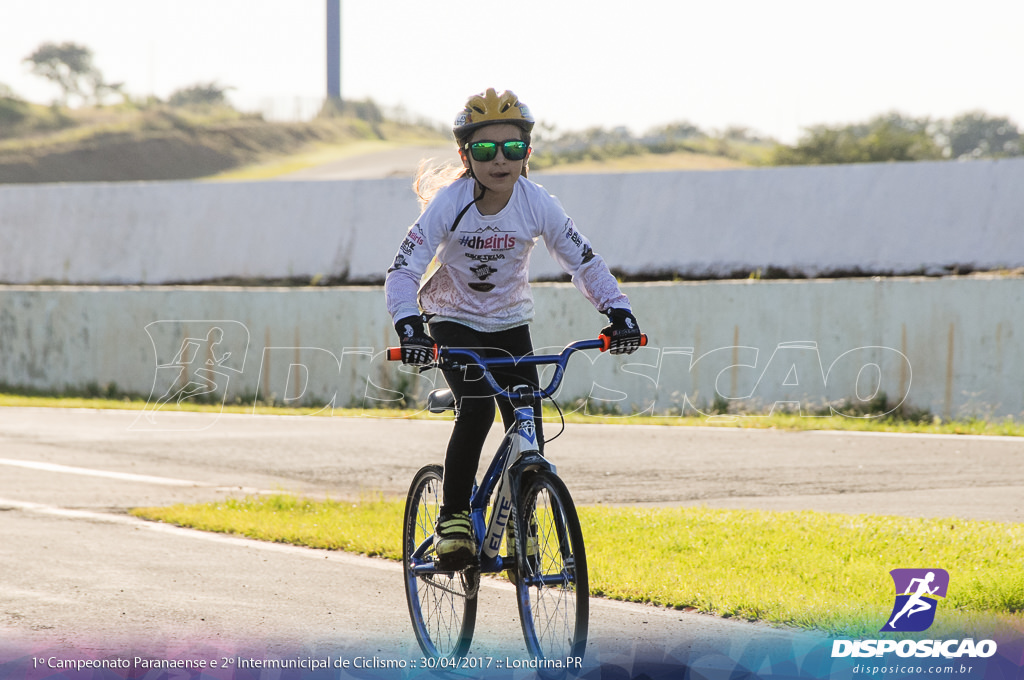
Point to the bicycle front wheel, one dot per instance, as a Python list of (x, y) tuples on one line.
[(442, 604), (552, 586)]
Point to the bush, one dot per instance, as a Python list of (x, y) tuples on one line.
[(202, 95), (12, 111), (893, 137)]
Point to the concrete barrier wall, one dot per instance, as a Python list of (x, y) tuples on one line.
[(161, 232), (877, 218), (952, 346)]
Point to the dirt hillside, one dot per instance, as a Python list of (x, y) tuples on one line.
[(166, 146)]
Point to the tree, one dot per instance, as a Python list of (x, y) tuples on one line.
[(893, 137), (821, 145), (671, 137), (890, 137), (679, 130), (70, 66), (979, 135)]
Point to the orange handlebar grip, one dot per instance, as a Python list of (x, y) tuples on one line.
[(608, 341), (395, 353)]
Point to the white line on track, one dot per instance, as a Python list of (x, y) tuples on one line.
[(134, 522), (253, 544), (381, 564), (122, 476)]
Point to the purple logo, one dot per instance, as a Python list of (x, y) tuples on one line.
[(917, 593)]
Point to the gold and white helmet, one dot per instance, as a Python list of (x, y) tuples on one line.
[(489, 108)]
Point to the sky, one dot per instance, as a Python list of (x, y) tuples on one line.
[(772, 67)]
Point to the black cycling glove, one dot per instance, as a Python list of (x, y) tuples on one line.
[(417, 346), (623, 331)]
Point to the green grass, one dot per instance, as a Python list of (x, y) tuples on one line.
[(822, 571), (370, 527), (779, 421), (819, 571)]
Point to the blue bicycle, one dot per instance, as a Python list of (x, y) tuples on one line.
[(522, 500)]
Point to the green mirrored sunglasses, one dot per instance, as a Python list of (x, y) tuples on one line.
[(514, 149)]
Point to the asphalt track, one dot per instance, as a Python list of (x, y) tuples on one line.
[(79, 573)]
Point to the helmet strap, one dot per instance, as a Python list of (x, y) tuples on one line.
[(469, 205)]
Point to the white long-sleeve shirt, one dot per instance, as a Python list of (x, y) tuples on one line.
[(482, 279)]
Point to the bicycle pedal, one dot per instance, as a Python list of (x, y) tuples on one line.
[(457, 562), (471, 581)]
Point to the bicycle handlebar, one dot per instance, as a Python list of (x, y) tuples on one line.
[(447, 358)]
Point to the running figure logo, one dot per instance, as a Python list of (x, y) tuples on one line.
[(195, 360), (202, 377), (917, 593)]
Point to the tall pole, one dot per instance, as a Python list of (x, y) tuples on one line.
[(334, 51)]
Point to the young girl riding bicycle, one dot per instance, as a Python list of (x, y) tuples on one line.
[(481, 226)]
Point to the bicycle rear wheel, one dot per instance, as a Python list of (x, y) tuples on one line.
[(442, 604), (552, 586)]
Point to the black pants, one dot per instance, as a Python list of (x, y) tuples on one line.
[(475, 400)]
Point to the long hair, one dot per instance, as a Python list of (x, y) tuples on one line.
[(430, 179)]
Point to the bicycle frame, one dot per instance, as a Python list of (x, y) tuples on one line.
[(518, 452)]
